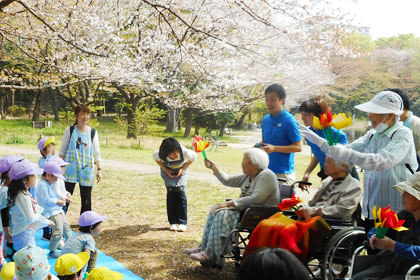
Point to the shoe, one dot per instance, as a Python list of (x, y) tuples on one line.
[(173, 227), (190, 251), (182, 228), (201, 257), (53, 255), (61, 244), (46, 236)]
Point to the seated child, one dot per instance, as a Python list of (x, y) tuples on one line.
[(338, 195), (52, 205), (32, 263), (59, 186), (71, 266), (104, 273), (401, 249), (46, 147), (5, 164), (89, 224)]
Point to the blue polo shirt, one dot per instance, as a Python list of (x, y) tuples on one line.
[(320, 155), (281, 130)]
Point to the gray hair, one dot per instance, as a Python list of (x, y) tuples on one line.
[(340, 163), (257, 157)]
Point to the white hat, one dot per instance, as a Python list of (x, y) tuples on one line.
[(412, 186), (385, 102)]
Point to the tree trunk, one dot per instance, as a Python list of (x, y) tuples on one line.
[(56, 106), (197, 130), (240, 123), (2, 114), (12, 97), (37, 107), (222, 129), (188, 122), (132, 125), (172, 120)]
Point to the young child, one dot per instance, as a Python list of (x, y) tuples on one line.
[(32, 264), (174, 161), (46, 147), (60, 188), (71, 266), (89, 224), (25, 213), (5, 164), (53, 206), (403, 247), (104, 273)]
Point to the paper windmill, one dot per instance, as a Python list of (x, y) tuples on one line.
[(200, 145), (290, 203), (327, 120), (385, 219)]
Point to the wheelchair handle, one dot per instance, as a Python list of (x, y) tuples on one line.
[(299, 183)]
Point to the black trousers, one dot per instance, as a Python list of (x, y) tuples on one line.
[(85, 195), (176, 205)]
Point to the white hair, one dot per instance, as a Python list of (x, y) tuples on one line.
[(257, 157), (340, 163)]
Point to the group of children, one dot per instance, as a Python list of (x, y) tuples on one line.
[(27, 206)]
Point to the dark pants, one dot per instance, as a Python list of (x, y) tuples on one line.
[(176, 205), (85, 194), (376, 272)]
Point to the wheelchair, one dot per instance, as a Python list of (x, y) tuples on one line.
[(331, 261)]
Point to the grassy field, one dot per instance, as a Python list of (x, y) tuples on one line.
[(136, 231)]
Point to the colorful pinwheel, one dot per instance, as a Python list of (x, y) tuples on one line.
[(290, 203), (385, 219), (327, 120), (200, 145)]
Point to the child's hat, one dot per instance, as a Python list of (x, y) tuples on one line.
[(104, 273), (52, 167), (8, 271), (23, 168), (7, 162), (31, 263), (412, 186), (89, 218), (44, 142), (69, 264), (59, 161)]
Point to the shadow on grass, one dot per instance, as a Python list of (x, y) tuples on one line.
[(156, 253)]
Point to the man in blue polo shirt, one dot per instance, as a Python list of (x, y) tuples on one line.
[(280, 134)]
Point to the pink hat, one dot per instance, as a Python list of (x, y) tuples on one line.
[(89, 218), (52, 167), (24, 168), (7, 162), (59, 161)]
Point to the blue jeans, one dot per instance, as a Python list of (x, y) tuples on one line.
[(176, 205), (23, 239)]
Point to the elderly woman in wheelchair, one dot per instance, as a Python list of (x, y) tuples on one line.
[(258, 186), (338, 196), (400, 250)]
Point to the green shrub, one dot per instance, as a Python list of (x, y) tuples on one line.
[(16, 111), (15, 140)]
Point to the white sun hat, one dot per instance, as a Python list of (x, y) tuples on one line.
[(385, 102), (412, 186)]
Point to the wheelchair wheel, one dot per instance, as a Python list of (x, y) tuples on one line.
[(336, 261)]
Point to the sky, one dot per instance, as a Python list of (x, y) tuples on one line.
[(386, 17)]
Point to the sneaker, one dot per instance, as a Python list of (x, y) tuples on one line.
[(173, 227), (53, 255), (182, 228), (61, 244), (190, 251), (201, 257), (46, 236)]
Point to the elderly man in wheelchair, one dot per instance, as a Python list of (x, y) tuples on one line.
[(400, 249), (258, 186)]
